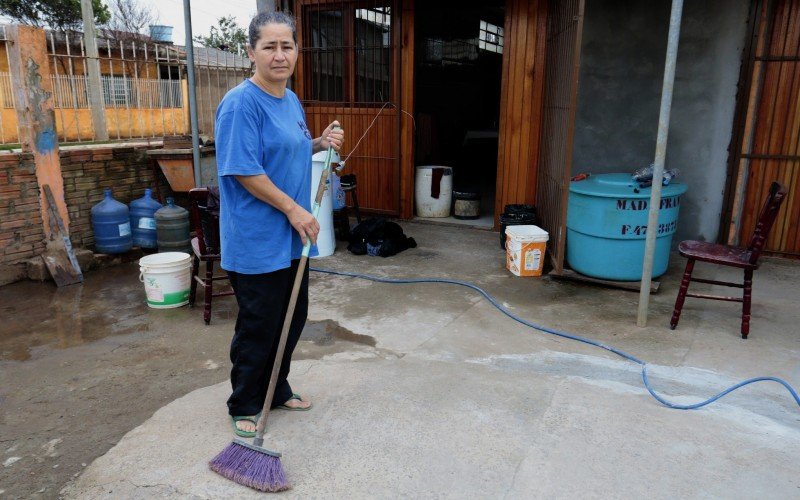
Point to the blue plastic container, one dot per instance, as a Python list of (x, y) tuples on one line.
[(112, 226), (607, 226), (143, 222), (172, 228)]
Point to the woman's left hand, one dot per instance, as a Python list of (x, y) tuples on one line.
[(332, 137)]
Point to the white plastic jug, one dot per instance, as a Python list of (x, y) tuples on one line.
[(326, 242)]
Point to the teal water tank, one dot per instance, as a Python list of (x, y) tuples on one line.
[(607, 226)]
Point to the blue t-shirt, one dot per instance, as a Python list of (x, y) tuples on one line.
[(257, 133)]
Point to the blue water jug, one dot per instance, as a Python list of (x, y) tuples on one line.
[(112, 226), (143, 222)]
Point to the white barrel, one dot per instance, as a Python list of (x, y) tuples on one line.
[(166, 277), (326, 242), (427, 205)]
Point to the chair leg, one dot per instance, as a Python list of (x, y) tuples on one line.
[(687, 278), (746, 296), (193, 285), (208, 285), (355, 205)]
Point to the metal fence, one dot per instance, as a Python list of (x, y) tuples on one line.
[(216, 72), (6, 95), (72, 92), (141, 82), (144, 86), (8, 124)]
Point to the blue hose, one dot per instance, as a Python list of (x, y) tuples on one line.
[(570, 336)]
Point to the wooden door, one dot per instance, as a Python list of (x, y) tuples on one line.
[(521, 102), (564, 33), (767, 127), (348, 71)]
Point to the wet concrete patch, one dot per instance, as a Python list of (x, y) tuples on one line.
[(70, 316), (322, 338)]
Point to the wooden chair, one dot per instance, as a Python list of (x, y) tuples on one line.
[(341, 217), (206, 249), (742, 257)]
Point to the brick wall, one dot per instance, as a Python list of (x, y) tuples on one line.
[(21, 232), (86, 172), (126, 170)]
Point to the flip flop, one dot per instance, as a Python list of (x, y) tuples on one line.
[(289, 408), (240, 432)]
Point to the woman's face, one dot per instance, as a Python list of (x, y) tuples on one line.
[(275, 53)]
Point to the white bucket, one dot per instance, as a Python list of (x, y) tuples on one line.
[(326, 242), (166, 277), (427, 205)]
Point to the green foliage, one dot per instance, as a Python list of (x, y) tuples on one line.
[(227, 36), (55, 14)]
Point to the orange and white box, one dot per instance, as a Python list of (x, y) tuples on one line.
[(525, 250)]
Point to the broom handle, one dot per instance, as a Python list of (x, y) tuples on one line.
[(261, 427)]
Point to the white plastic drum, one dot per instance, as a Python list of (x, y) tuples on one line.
[(427, 205), (326, 242)]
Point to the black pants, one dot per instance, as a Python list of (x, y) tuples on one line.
[(263, 300)]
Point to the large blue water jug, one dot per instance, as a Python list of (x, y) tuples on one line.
[(143, 222), (112, 226)]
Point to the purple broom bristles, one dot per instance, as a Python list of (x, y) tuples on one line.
[(251, 468)]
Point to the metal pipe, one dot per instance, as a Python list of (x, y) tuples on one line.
[(658, 165), (265, 5), (93, 63), (187, 21)]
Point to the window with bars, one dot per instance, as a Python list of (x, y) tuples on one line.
[(116, 91), (347, 53), (490, 37)]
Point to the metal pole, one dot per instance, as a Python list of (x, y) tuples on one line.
[(658, 165), (93, 63), (265, 5), (187, 21)]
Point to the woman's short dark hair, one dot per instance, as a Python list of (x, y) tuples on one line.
[(263, 18)]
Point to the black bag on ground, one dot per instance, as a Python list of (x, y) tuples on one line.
[(378, 236)]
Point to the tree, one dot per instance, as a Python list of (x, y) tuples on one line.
[(229, 36), (129, 19), (55, 14)]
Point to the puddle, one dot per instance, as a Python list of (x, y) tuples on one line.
[(40, 314), (327, 337), (327, 332)]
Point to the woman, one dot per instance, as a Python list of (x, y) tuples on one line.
[(264, 153)]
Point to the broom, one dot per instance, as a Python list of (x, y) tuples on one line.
[(251, 464)]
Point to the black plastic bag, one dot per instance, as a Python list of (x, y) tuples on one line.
[(379, 237)]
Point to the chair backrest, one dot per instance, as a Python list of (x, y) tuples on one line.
[(206, 223), (777, 193)]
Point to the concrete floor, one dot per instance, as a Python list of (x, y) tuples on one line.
[(419, 390)]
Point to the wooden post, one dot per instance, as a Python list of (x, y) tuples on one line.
[(93, 66), (405, 46), (33, 91)]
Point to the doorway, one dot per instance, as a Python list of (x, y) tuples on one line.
[(459, 63)]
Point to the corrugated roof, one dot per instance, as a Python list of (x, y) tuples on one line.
[(208, 56)]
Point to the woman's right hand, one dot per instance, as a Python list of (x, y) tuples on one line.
[(304, 223)]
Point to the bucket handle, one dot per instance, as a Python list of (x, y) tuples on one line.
[(143, 270)]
